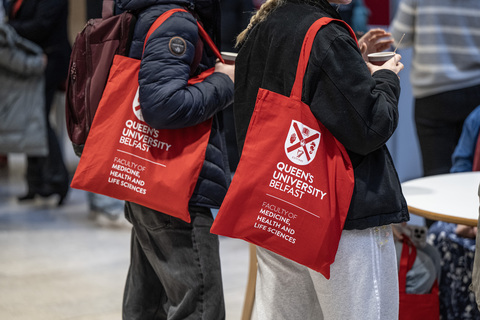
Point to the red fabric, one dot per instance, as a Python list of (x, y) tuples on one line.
[(415, 306), (16, 7), (380, 12), (476, 156), (293, 185), (126, 159)]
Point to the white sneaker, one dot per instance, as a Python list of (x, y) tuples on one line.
[(114, 218)]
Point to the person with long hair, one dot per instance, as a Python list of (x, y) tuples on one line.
[(358, 103)]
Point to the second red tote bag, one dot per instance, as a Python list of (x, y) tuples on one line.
[(415, 306), (294, 182)]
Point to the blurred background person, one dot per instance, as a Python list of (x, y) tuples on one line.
[(356, 14), (44, 22), (456, 243), (22, 64), (3, 157), (235, 17), (445, 72)]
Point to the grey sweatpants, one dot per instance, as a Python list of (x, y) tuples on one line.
[(363, 282)]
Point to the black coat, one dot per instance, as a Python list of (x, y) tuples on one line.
[(359, 109)]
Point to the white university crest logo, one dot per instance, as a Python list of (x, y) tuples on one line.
[(136, 107), (302, 143)]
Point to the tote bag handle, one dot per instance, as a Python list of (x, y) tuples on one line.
[(407, 258), (161, 19), (305, 54)]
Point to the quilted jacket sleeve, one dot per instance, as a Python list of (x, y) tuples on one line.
[(167, 101)]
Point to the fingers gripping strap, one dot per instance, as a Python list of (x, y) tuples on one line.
[(305, 53), (161, 19)]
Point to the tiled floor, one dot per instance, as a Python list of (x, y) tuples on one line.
[(56, 264)]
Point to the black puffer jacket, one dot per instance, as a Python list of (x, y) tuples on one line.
[(359, 109), (166, 100)]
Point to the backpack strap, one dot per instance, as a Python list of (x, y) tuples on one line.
[(161, 19), (107, 8), (305, 53)]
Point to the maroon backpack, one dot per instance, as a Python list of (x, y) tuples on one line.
[(92, 56)]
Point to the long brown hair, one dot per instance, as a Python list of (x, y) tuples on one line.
[(258, 17)]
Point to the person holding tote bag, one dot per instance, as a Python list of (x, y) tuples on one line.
[(358, 103), (175, 265)]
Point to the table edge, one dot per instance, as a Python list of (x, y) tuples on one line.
[(442, 217)]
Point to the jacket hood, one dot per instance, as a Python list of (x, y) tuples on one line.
[(208, 11)]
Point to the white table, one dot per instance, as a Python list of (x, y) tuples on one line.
[(451, 197)]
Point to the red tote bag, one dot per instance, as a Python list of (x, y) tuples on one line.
[(415, 306), (127, 159), (294, 182)]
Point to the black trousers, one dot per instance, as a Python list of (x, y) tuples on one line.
[(49, 171), (439, 119), (174, 269)]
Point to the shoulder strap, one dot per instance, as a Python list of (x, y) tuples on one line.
[(161, 19), (305, 53), (107, 8), (16, 6)]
